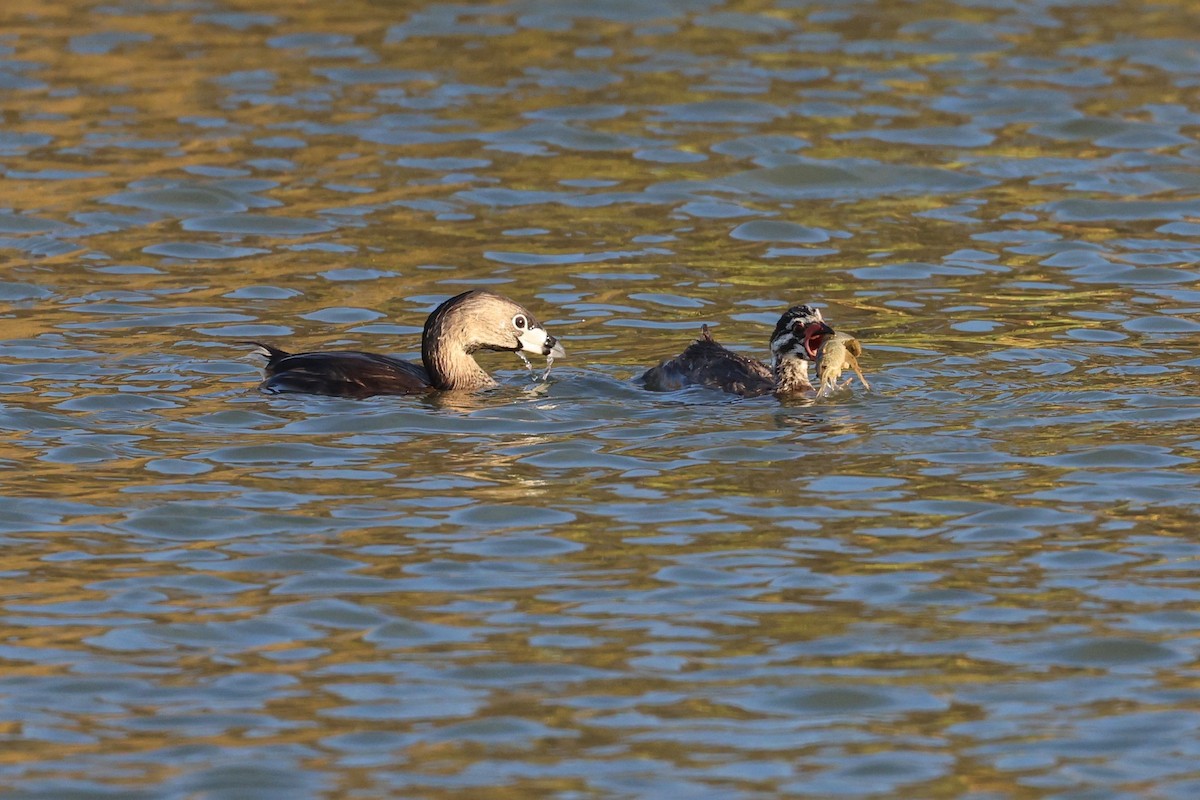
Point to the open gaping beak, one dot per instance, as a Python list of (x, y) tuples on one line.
[(536, 340), (814, 335)]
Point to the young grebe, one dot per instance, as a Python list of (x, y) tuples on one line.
[(705, 363), (474, 320)]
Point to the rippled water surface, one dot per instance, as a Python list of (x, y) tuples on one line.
[(978, 581)]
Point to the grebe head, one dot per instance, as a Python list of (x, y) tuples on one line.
[(482, 320), (799, 334)]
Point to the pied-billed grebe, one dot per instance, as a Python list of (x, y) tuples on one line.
[(838, 353), (471, 321), (706, 363)]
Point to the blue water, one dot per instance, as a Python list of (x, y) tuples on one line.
[(976, 581)]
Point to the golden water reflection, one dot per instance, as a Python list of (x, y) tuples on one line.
[(975, 581)]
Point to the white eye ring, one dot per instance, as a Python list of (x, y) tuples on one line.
[(520, 322)]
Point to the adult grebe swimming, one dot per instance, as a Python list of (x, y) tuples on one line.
[(472, 321)]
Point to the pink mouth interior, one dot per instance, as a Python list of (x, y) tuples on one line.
[(812, 338)]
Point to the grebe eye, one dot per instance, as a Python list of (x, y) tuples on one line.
[(520, 322)]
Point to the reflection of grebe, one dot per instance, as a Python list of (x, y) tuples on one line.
[(471, 321), (706, 363)]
